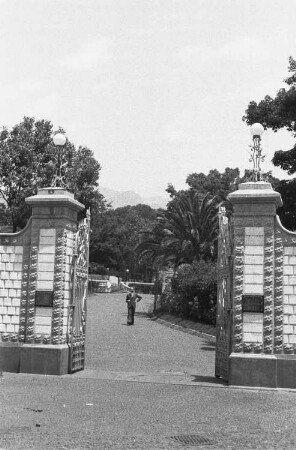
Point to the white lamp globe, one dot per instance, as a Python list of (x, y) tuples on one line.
[(256, 129), (59, 139)]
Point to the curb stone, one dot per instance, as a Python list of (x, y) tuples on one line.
[(187, 326)]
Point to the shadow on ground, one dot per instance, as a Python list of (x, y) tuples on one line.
[(141, 314), (209, 346), (206, 379)]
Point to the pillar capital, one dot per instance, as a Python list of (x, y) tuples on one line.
[(54, 196), (255, 198), (54, 202)]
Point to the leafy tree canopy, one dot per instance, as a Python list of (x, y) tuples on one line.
[(116, 234), (28, 162), (221, 184), (287, 213), (215, 183), (185, 232), (276, 113)]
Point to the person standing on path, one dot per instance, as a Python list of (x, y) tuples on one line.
[(131, 299)]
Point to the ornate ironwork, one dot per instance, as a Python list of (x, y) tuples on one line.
[(224, 302), (79, 295), (59, 179), (256, 158)]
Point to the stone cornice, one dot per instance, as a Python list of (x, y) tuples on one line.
[(259, 192), (55, 197)]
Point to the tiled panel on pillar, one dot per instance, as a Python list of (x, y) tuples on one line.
[(253, 327), (45, 276), (253, 283), (289, 296), (43, 320), (254, 260), (46, 255), (11, 258)]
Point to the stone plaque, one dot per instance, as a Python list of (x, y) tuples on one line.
[(44, 298), (253, 303)]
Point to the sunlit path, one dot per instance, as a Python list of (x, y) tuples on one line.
[(146, 351)]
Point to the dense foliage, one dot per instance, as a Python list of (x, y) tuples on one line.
[(214, 182), (28, 162), (185, 232), (276, 113), (185, 237), (114, 239), (193, 292)]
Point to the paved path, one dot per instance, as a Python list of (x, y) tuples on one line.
[(145, 351), (180, 405)]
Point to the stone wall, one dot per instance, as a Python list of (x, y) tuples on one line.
[(265, 264), (13, 255), (36, 262), (253, 246), (37, 296), (285, 290), (263, 336)]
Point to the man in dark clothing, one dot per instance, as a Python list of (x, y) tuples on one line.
[(131, 299)]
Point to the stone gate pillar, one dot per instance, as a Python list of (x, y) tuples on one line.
[(46, 286), (252, 360)]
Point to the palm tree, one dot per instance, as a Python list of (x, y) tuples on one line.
[(185, 232), (149, 247)]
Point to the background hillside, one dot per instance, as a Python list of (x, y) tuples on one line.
[(119, 199)]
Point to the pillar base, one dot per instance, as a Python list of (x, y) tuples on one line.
[(10, 357), (44, 359), (269, 371), (286, 371), (34, 358)]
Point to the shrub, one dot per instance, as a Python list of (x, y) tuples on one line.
[(193, 292), (95, 268)]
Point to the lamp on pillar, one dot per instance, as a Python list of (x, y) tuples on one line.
[(59, 141), (256, 151)]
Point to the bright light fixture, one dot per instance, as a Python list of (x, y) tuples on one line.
[(59, 139), (256, 129)]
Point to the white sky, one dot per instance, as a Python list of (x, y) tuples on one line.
[(156, 88)]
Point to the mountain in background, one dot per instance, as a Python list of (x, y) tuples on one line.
[(119, 199)]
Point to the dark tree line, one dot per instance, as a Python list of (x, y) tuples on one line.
[(28, 162), (277, 113)]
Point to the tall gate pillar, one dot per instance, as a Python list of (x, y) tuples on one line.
[(253, 360), (36, 286), (46, 286)]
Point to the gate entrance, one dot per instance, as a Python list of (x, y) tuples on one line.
[(79, 294), (224, 300)]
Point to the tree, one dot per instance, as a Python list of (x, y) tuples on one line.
[(115, 236), (28, 162), (149, 246), (277, 113), (185, 232), (194, 289), (215, 183), (287, 213)]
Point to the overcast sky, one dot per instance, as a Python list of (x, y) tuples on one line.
[(156, 88)]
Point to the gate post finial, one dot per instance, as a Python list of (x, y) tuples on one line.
[(256, 151)]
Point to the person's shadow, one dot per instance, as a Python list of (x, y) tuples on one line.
[(207, 379), (208, 346)]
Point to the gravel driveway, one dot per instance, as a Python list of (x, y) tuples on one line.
[(144, 387)]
